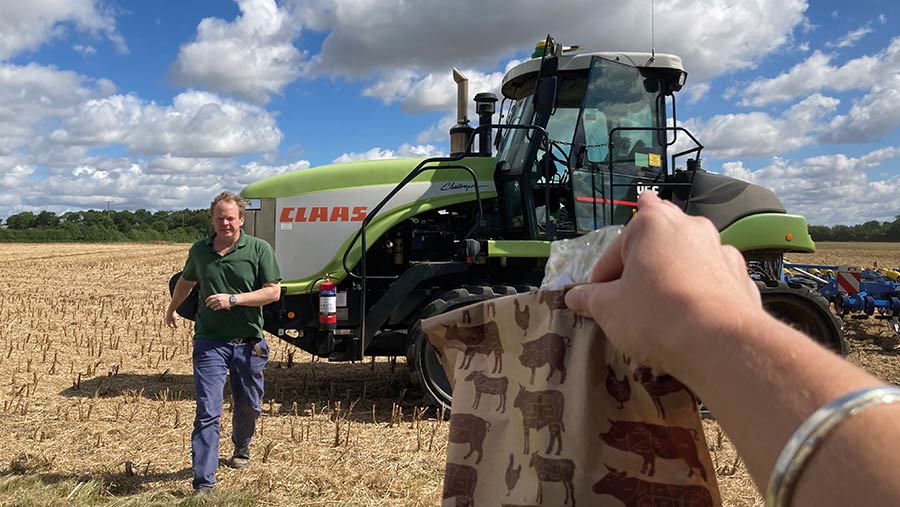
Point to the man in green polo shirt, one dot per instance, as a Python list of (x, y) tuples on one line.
[(238, 275)]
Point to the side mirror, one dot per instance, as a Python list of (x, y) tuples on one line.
[(545, 95), (549, 65)]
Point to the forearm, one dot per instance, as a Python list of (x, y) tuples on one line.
[(762, 379), (259, 297)]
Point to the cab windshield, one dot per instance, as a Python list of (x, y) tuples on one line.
[(602, 148)]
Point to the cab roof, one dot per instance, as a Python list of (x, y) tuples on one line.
[(521, 74)]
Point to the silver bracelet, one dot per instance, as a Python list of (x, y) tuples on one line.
[(803, 442)]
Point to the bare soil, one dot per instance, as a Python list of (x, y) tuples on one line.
[(94, 387)]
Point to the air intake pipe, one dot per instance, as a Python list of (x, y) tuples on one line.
[(485, 108)]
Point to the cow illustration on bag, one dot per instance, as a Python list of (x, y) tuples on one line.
[(542, 409), (554, 470), (548, 349), (489, 385)]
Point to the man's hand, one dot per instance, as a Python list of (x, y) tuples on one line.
[(172, 320), (666, 279), (218, 302)]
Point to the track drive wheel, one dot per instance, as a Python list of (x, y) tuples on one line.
[(424, 366), (805, 311)]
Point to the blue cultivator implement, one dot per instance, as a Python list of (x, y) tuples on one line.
[(854, 292)]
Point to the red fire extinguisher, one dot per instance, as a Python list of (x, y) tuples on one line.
[(327, 304)]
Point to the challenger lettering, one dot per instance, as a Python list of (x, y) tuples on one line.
[(467, 187)]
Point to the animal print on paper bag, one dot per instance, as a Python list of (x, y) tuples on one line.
[(547, 413)]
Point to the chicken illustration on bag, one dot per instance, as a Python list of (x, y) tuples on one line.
[(620, 390)]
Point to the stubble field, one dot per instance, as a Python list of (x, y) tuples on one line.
[(96, 396)]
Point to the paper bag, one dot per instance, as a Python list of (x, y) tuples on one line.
[(546, 412)]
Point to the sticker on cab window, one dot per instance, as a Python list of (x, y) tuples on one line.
[(640, 160)]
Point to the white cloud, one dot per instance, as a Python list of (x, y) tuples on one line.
[(25, 26), (851, 38), (829, 189), (35, 95), (167, 182), (255, 171), (759, 134), (197, 124), (817, 73), (367, 37), (252, 57), (84, 50), (849, 198), (870, 118), (875, 158), (696, 92), (393, 88), (52, 121), (440, 131), (405, 150), (16, 176), (432, 92)]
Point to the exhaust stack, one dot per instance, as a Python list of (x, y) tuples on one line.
[(459, 134)]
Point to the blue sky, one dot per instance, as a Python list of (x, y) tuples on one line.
[(161, 105)]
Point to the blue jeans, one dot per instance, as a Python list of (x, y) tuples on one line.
[(213, 361)]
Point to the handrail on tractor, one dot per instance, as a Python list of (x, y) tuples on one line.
[(613, 185), (419, 169)]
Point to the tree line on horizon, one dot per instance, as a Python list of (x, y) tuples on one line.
[(187, 225), (872, 230), (103, 226)]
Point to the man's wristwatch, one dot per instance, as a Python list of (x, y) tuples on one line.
[(232, 300)]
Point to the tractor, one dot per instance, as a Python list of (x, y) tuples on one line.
[(369, 249)]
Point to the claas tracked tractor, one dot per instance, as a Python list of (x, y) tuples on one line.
[(368, 249)]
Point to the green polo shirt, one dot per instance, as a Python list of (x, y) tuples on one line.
[(248, 265)]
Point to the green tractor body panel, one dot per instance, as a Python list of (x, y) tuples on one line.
[(532, 249), (368, 173), (318, 211), (769, 231)]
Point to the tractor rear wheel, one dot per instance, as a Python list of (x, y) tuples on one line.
[(425, 368), (805, 311)]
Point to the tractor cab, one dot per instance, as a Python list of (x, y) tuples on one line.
[(598, 137)]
